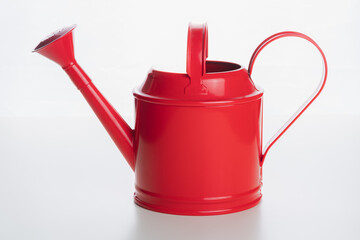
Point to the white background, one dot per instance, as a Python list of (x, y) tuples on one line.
[(61, 177)]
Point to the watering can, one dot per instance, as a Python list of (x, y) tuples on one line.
[(196, 148)]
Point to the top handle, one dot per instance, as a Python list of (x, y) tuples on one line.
[(197, 52), (307, 103)]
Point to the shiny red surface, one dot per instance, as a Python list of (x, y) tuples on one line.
[(59, 48), (198, 160), (197, 144)]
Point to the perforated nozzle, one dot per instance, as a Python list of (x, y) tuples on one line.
[(58, 46)]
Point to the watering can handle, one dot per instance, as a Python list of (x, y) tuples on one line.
[(307, 103), (197, 52)]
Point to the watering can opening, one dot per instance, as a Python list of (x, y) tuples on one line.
[(212, 66), (218, 66)]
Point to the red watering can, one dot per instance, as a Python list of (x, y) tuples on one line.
[(197, 144)]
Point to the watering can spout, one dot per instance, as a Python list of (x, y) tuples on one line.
[(58, 47)]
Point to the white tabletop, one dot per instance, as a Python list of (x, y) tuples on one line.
[(63, 178)]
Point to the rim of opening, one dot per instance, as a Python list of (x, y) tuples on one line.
[(212, 67), (54, 37)]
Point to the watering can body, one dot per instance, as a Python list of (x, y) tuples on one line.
[(198, 157), (198, 160), (196, 148)]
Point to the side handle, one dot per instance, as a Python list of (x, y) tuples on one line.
[(307, 103)]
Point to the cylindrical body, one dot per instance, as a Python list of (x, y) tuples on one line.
[(198, 160)]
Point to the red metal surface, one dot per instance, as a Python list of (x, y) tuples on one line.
[(196, 148), (59, 48)]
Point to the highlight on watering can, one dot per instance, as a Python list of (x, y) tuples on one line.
[(196, 148)]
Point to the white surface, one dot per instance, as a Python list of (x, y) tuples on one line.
[(63, 178)]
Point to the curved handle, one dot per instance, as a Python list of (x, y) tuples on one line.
[(307, 103), (197, 52)]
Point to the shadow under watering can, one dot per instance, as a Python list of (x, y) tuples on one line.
[(152, 225), (197, 144)]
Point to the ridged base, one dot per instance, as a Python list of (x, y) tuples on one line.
[(198, 207)]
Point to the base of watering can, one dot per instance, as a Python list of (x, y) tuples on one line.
[(198, 207)]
